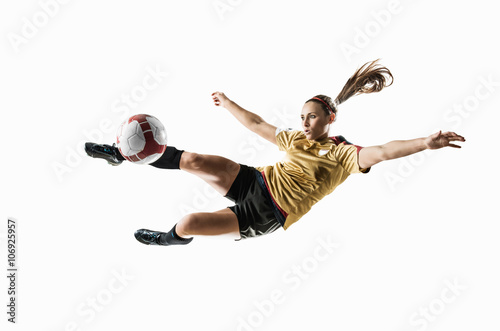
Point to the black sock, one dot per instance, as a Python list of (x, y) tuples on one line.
[(170, 159), (172, 238)]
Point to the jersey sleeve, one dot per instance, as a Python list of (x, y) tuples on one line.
[(347, 156), (284, 138)]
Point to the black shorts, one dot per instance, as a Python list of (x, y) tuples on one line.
[(257, 215)]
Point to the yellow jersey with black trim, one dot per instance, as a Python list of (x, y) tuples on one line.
[(309, 171)]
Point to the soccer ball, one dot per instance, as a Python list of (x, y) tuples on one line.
[(141, 139)]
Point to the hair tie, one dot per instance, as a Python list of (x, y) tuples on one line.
[(323, 101)]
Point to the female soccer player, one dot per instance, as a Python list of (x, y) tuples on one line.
[(273, 197)]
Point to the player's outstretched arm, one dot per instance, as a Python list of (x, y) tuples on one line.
[(372, 155), (251, 121)]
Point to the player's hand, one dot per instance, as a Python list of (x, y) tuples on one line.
[(439, 140), (220, 99)]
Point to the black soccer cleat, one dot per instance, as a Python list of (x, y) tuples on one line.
[(107, 152), (148, 237)]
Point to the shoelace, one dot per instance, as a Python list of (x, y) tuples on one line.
[(152, 237), (106, 150)]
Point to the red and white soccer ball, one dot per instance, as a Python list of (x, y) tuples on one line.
[(141, 139)]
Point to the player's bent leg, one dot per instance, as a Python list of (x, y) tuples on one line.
[(220, 223), (217, 171), (150, 237)]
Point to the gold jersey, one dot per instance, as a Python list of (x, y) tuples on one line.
[(309, 171)]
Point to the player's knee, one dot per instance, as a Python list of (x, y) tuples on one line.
[(189, 224)]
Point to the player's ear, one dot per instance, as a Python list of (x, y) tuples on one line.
[(332, 118)]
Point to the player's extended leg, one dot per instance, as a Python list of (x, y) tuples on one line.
[(217, 171), (220, 223)]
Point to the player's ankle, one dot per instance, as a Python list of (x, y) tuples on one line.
[(172, 238)]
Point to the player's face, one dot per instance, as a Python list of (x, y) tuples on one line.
[(315, 122)]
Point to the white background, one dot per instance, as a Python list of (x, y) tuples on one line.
[(405, 231)]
